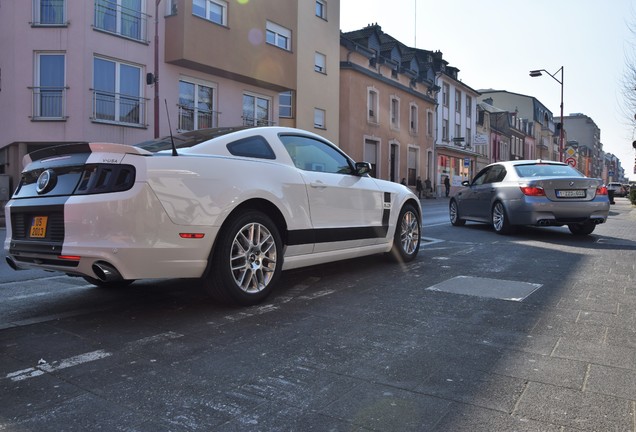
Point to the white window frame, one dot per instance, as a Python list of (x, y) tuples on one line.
[(321, 9), (278, 36), (412, 158), (195, 108), (255, 121), (413, 117), (320, 118), (458, 101), (320, 63), (373, 107), (208, 9), (120, 17), (445, 91), (118, 95), (394, 108), (37, 15), (282, 105), (372, 156), (37, 99)]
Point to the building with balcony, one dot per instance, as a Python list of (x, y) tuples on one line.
[(584, 131), (118, 70)]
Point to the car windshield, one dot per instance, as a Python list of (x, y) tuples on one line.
[(186, 139), (546, 170)]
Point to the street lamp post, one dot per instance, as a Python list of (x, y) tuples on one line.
[(537, 73)]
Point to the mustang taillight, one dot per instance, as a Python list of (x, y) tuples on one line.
[(104, 178), (601, 190), (532, 191)]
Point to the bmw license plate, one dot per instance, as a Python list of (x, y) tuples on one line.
[(571, 193), (38, 227)]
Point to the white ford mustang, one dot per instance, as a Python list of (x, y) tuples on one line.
[(233, 207)]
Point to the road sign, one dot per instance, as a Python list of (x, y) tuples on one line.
[(571, 161)]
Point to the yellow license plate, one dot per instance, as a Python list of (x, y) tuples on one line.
[(38, 227)]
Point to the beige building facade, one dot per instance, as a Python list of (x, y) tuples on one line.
[(386, 107)]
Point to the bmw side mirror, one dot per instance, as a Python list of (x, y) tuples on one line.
[(465, 183)]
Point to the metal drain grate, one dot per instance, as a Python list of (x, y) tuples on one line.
[(484, 287)]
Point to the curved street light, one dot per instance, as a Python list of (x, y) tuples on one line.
[(537, 73)]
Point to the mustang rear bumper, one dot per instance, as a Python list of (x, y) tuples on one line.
[(128, 232)]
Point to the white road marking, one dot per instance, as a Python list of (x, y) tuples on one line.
[(43, 366)]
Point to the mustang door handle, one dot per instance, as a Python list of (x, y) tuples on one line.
[(318, 185)]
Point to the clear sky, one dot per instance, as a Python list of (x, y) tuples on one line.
[(495, 43)]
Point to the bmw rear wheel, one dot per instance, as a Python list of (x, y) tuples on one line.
[(584, 228), (247, 260), (453, 212), (500, 219), (406, 240)]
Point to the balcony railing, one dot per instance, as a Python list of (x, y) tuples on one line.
[(49, 103), (251, 121), (119, 108), (120, 20), (195, 118)]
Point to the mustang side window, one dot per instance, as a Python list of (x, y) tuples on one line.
[(312, 155), (255, 147)]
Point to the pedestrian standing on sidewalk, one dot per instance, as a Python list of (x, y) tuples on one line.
[(447, 185), (418, 187)]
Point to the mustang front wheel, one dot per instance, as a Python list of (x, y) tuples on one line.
[(247, 260), (406, 241)]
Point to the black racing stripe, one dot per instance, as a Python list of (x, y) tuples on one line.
[(328, 235), (22, 213)]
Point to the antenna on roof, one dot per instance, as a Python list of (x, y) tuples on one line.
[(174, 148)]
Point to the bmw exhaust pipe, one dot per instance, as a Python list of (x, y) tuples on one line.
[(106, 272)]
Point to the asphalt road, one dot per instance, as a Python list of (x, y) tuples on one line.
[(534, 331)]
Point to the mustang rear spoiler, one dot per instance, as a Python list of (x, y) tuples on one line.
[(67, 149)]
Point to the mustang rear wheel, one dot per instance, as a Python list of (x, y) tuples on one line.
[(406, 240), (453, 212), (247, 260)]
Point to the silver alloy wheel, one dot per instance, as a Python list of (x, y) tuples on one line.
[(253, 258), (453, 212), (409, 232), (498, 217)]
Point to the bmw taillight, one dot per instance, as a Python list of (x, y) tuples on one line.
[(532, 190), (601, 190)]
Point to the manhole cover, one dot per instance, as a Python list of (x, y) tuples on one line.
[(484, 287)]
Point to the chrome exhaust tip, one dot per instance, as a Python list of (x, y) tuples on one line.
[(106, 272)]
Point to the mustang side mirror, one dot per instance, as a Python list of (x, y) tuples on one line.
[(363, 168)]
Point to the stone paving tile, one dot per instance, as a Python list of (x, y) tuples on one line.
[(576, 409), (597, 305), (469, 386), (612, 381), (384, 408), (521, 341), (541, 368), (570, 329), (470, 418), (621, 337), (601, 354)]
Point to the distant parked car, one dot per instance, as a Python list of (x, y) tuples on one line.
[(617, 188), (540, 193), (232, 207)]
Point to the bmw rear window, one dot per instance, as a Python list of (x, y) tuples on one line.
[(546, 170)]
